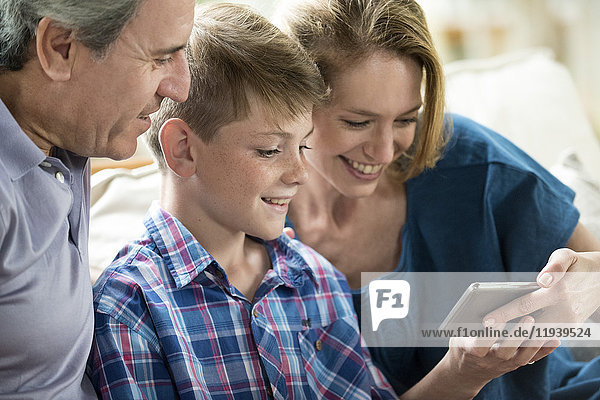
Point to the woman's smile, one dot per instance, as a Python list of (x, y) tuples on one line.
[(362, 170)]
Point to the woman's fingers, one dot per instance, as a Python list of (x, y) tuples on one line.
[(546, 349), (507, 348), (556, 267)]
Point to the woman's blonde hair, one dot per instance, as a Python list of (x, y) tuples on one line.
[(339, 33), (234, 53)]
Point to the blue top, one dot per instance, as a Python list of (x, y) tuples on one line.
[(46, 315), (486, 206), (169, 325)]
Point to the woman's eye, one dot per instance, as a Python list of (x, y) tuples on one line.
[(356, 124), (407, 121), (268, 153)]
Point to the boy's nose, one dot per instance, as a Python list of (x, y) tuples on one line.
[(296, 173)]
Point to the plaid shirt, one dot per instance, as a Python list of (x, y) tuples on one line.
[(170, 325)]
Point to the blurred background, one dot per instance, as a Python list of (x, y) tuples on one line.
[(474, 29), (483, 28)]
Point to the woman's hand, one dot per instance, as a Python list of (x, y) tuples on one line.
[(476, 361), (577, 275), (569, 292), (470, 363)]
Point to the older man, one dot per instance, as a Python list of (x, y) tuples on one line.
[(77, 79)]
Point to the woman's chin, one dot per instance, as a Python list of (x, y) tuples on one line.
[(357, 191)]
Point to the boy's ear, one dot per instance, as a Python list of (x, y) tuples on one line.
[(177, 140), (56, 49)]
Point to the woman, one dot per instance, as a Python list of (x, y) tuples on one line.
[(396, 186)]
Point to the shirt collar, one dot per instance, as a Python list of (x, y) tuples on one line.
[(288, 261), (18, 152), (185, 257)]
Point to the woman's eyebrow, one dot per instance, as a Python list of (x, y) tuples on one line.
[(415, 108), (372, 114)]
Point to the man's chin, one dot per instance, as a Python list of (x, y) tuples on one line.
[(118, 154)]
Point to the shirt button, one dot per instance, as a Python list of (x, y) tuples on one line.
[(269, 391), (318, 345), (59, 177), (255, 313)]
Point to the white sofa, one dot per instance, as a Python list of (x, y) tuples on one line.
[(526, 96)]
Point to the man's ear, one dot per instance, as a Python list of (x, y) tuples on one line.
[(177, 141), (56, 49)]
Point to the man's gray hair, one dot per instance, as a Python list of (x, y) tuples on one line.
[(95, 23)]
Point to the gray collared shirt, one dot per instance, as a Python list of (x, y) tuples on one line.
[(46, 316)]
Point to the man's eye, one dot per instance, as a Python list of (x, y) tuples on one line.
[(268, 153), (162, 61)]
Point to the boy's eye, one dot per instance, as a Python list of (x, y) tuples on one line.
[(356, 124), (304, 147), (268, 153)]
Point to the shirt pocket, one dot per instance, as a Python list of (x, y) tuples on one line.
[(334, 361)]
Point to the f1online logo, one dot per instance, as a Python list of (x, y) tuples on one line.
[(389, 299)]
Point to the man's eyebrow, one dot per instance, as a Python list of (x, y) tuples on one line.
[(170, 50)]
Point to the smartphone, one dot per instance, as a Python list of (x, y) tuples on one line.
[(480, 298)]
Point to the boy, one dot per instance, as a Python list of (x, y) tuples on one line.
[(213, 302)]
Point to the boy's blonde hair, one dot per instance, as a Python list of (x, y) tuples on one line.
[(235, 53), (339, 33)]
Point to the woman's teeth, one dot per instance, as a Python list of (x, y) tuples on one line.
[(280, 202), (365, 168)]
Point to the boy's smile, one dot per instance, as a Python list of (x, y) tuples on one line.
[(250, 171), (279, 204)]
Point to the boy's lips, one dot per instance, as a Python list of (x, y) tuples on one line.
[(277, 200), (278, 204)]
